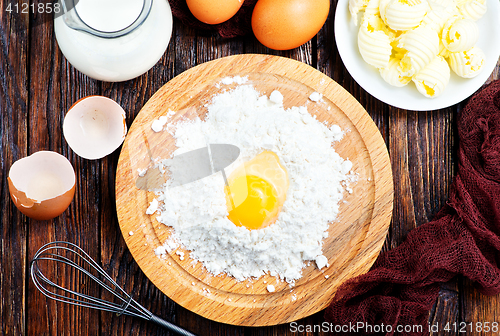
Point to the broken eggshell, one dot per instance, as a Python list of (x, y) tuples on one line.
[(95, 127), (42, 185)]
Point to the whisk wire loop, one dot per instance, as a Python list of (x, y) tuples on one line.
[(79, 260), (88, 300), (125, 306)]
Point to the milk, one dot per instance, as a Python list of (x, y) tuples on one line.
[(109, 15), (118, 58)]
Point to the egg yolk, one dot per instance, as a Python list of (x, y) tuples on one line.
[(256, 191), (258, 205)]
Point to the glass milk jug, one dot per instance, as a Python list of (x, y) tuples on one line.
[(113, 40)]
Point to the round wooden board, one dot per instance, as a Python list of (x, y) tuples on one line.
[(355, 238)]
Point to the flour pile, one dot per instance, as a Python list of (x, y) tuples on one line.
[(197, 211)]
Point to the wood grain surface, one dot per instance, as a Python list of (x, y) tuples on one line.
[(354, 239), (38, 85)]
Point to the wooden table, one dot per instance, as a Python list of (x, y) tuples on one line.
[(38, 85)]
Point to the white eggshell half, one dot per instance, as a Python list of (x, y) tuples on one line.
[(95, 127)]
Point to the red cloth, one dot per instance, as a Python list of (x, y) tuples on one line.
[(403, 284), (238, 25)]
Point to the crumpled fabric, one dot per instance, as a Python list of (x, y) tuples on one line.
[(238, 25), (463, 238)]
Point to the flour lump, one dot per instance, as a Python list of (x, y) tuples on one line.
[(197, 211)]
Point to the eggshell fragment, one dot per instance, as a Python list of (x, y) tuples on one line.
[(287, 24), (214, 12), (42, 185), (95, 127)]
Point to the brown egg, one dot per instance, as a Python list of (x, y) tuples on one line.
[(214, 11), (42, 185), (287, 24)]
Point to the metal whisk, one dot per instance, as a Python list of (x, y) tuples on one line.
[(69, 254)]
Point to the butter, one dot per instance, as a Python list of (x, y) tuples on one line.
[(467, 64), (422, 45), (373, 43), (355, 6), (404, 14), (433, 78), (444, 3), (436, 17), (391, 74), (472, 9), (443, 51), (372, 8), (459, 34), (420, 40)]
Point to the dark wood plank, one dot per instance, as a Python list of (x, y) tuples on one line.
[(14, 56), (477, 309), (329, 62), (54, 87), (204, 47), (116, 258), (421, 146), (302, 53), (431, 170), (480, 313), (422, 175), (445, 312), (39, 85)]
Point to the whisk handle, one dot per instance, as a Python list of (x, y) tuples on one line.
[(169, 326)]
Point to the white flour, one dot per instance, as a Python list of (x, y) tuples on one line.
[(197, 211)]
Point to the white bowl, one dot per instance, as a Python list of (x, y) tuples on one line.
[(408, 97)]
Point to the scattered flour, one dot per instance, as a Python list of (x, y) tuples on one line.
[(234, 80), (315, 96), (276, 97), (158, 124), (180, 254), (153, 207), (197, 211), (141, 172), (321, 261)]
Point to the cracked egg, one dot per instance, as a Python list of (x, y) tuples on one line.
[(42, 185), (256, 191), (95, 127)]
